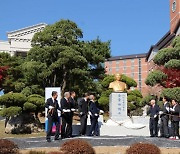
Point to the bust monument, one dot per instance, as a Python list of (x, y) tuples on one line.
[(117, 85)]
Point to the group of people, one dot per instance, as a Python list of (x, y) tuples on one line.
[(68, 106), (170, 112)]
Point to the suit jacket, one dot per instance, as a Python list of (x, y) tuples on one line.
[(72, 102), (154, 111), (165, 112), (55, 104), (83, 106), (93, 108), (65, 105), (176, 113)]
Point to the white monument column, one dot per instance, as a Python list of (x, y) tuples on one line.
[(118, 106)]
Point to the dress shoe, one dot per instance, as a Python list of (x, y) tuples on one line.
[(48, 140)]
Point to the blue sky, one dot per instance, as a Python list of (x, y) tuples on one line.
[(131, 25)]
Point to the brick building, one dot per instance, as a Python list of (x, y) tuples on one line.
[(134, 66), (165, 41)]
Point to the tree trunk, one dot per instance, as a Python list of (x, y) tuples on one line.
[(64, 81), (54, 82)]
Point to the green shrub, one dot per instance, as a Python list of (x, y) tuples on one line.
[(13, 99), (172, 93), (131, 98), (155, 77), (173, 63), (135, 92), (11, 111), (29, 107), (26, 91), (131, 106), (106, 93), (129, 81), (147, 99), (104, 103)]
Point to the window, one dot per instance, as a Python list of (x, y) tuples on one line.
[(110, 62), (117, 69), (132, 74), (117, 62), (110, 69), (132, 61), (124, 61)]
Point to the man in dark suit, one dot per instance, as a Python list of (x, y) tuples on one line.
[(83, 111), (164, 119), (94, 115), (175, 118), (73, 106), (66, 116), (153, 123), (52, 106)]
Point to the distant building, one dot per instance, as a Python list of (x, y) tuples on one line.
[(165, 41), (134, 66), (19, 41)]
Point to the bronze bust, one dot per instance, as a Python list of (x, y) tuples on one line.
[(117, 85)]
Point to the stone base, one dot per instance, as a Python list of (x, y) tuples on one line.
[(137, 126)]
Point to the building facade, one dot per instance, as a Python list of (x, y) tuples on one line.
[(19, 41), (166, 40), (134, 66)]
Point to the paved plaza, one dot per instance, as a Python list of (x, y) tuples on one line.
[(28, 143)]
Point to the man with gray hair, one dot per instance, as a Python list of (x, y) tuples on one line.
[(153, 122), (66, 116)]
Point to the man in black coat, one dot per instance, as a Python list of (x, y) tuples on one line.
[(94, 115), (175, 118), (73, 106), (83, 112), (52, 106), (153, 123), (164, 118), (66, 116)]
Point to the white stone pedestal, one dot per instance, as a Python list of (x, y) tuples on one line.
[(118, 106)]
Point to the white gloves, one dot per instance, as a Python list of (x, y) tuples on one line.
[(155, 115), (167, 108), (51, 107), (171, 109), (101, 111), (64, 110), (73, 110), (96, 114), (90, 113), (160, 112)]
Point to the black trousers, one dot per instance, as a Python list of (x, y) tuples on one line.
[(93, 127), (71, 122), (83, 120), (66, 127), (153, 127), (164, 126), (175, 128), (52, 119)]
